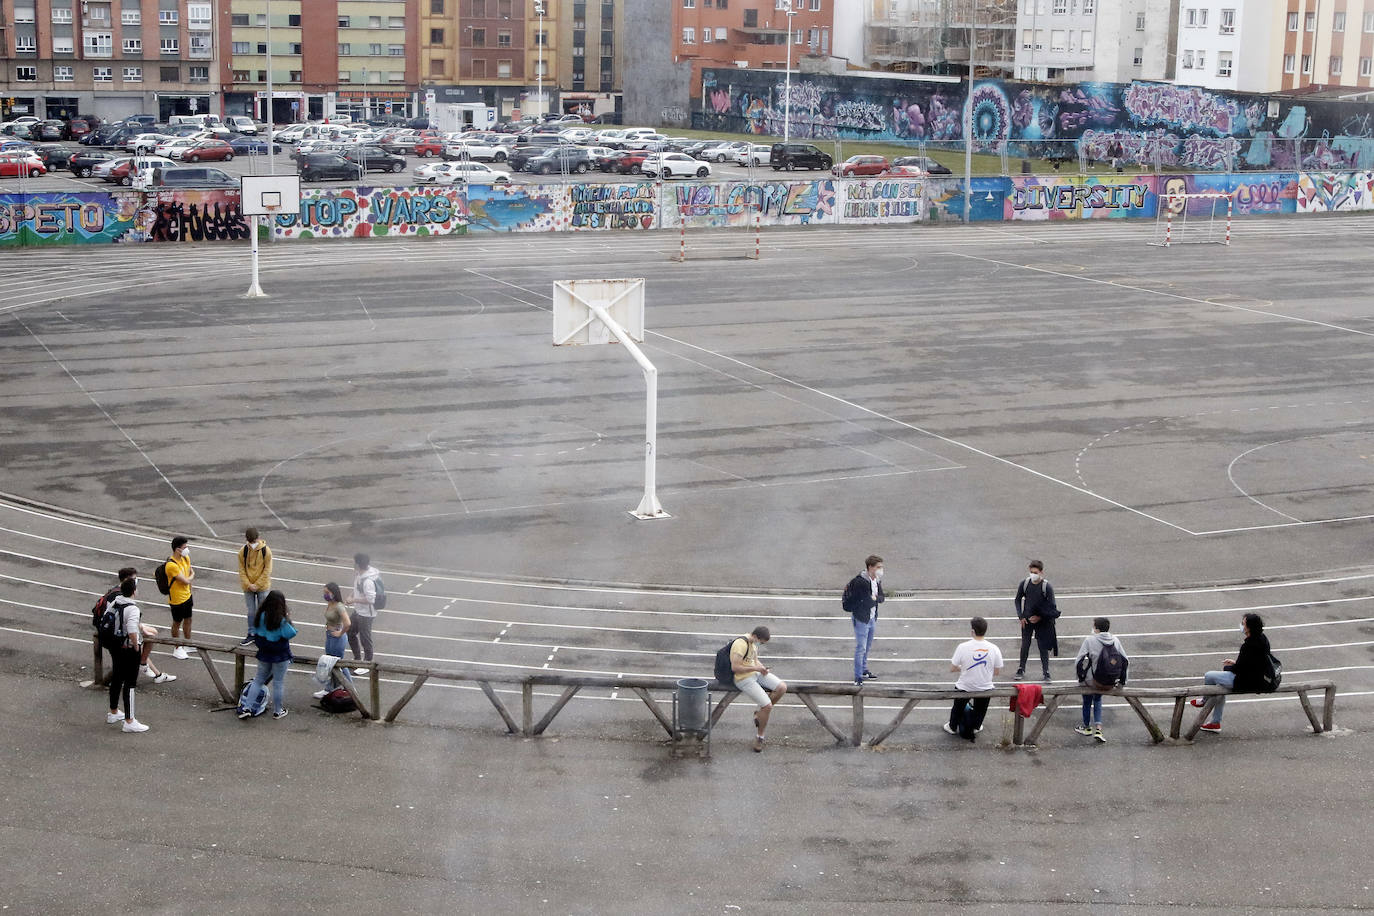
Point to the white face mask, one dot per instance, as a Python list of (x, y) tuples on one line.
[(185, 551), (878, 574), (1035, 577)]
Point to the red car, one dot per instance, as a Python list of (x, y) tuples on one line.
[(208, 150), (905, 171), (856, 166), (429, 146), (630, 161), (21, 165)]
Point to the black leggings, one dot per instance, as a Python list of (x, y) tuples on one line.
[(123, 678)]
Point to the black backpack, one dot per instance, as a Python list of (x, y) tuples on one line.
[(1109, 667), (98, 610), (848, 598), (379, 602), (110, 627), (338, 700), (1271, 679), (164, 585), (725, 672)]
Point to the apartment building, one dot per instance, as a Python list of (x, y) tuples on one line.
[(943, 37), (1068, 41), (328, 57), (754, 34), (111, 58), (589, 36)]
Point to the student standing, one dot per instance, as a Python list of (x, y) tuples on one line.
[(255, 576), (272, 631), (362, 604), (861, 598), (124, 654), (1036, 613), (1102, 663), (977, 662), (336, 626), (180, 575)]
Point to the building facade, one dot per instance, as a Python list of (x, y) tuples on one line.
[(754, 34), (1069, 41), (941, 37), (111, 58)]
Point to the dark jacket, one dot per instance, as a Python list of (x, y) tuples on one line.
[(1034, 600), (1251, 664), (858, 598)]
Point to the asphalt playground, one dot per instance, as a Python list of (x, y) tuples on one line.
[(1181, 435)]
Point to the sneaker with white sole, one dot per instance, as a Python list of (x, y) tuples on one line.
[(180, 653), (1098, 736), (1084, 730), (164, 678), (112, 717), (949, 729), (280, 714), (320, 694), (133, 725), (360, 671), (247, 641)]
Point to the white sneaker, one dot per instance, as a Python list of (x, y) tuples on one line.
[(142, 670), (164, 677), (180, 653), (133, 725), (112, 717), (318, 694), (360, 671)]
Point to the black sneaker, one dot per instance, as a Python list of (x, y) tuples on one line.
[(246, 641), (870, 675), (1018, 675)]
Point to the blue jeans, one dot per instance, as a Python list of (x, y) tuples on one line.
[(1219, 679), (252, 601), (1092, 709), (335, 645), (277, 671), (863, 641)]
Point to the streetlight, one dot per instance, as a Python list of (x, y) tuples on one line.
[(271, 160), (539, 70), (787, 82)]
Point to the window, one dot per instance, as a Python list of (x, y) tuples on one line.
[(396, 76), (1026, 39), (62, 75), (1057, 40), (200, 75), (345, 22), (706, 36), (200, 45), (242, 76), (720, 34), (169, 45), (436, 7), (61, 14), (1309, 22), (1061, 7), (236, 18), (396, 50), (1186, 62), (98, 44), (1039, 39), (26, 74), (1228, 22), (102, 74), (1202, 18), (294, 20), (133, 74), (24, 14), (479, 9), (1137, 57), (1335, 65), (1369, 22), (135, 17), (503, 69), (479, 38), (1086, 41), (1307, 63), (689, 4), (293, 76), (781, 4), (479, 69), (62, 44), (24, 43), (1292, 22), (1223, 63), (167, 17), (1367, 66), (246, 47), (133, 46), (374, 22), (1202, 60), (173, 75), (199, 14), (798, 34), (436, 66), (396, 22), (541, 37), (345, 76), (1089, 6), (262, 47), (1190, 15), (1290, 63), (1140, 22), (503, 38), (813, 38), (262, 75), (1338, 21), (503, 9), (689, 35), (436, 36), (815, 6), (374, 50)]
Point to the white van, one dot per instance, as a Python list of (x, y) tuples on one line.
[(200, 120)]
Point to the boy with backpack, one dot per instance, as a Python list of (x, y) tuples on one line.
[(1102, 663), (174, 580), (146, 665), (738, 666), (121, 636)]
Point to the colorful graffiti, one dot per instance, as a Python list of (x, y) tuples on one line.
[(518, 208), (62, 218), (187, 215), (734, 203), (882, 201), (1156, 123), (612, 206), (1329, 192), (1080, 197), (362, 212), (1261, 192)]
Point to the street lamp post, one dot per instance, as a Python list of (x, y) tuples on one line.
[(787, 81), (539, 70), (271, 160)]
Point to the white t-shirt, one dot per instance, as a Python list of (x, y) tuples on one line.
[(976, 659), (132, 616)]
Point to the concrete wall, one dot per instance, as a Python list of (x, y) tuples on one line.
[(657, 89)]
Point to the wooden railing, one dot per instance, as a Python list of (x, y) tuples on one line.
[(641, 685)]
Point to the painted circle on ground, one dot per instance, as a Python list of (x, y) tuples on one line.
[(1337, 480)]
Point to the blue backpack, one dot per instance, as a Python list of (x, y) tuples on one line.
[(253, 702)]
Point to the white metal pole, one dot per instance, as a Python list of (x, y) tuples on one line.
[(254, 289), (539, 71), (271, 160), (968, 114), (787, 81)]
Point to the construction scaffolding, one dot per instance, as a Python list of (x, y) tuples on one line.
[(932, 36)]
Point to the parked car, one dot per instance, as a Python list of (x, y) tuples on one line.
[(241, 124), (183, 177), (146, 142), (477, 149), (675, 165), (56, 157), (458, 173), (375, 159), (21, 164), (83, 163), (723, 152), (128, 173), (924, 163), (173, 149), (628, 162), (252, 146), (753, 155), (49, 131), (798, 156), (530, 147), (325, 166), (208, 150), (860, 167), (103, 169), (903, 171), (79, 127), (560, 159)]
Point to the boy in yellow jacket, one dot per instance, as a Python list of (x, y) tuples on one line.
[(255, 575)]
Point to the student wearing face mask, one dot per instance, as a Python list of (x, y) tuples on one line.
[(861, 598), (1036, 613), (180, 575)]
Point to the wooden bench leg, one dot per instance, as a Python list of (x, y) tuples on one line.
[(1201, 718), (726, 699), (1329, 709), (654, 708), (810, 704), (224, 693), (511, 726), (1051, 704), (885, 733), (856, 735), (1019, 728), (1311, 714), (406, 697), (1176, 721), (1155, 734), (568, 694)]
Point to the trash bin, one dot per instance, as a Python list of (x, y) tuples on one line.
[(693, 704)]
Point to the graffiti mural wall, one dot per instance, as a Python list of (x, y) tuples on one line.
[(1329, 192), (1251, 192), (734, 203), (612, 206), (363, 212), (61, 218), (1032, 197), (882, 201), (1181, 127), (187, 215)]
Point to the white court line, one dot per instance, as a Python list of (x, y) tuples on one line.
[(1230, 475)]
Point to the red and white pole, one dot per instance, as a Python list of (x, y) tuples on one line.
[(1169, 221), (757, 232), (1229, 204), (682, 233)]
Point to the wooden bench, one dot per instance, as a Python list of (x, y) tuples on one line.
[(807, 694)]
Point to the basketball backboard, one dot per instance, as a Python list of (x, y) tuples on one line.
[(268, 195), (573, 319)]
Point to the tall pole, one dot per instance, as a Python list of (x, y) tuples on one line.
[(787, 90), (271, 160), (539, 70), (968, 112)]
